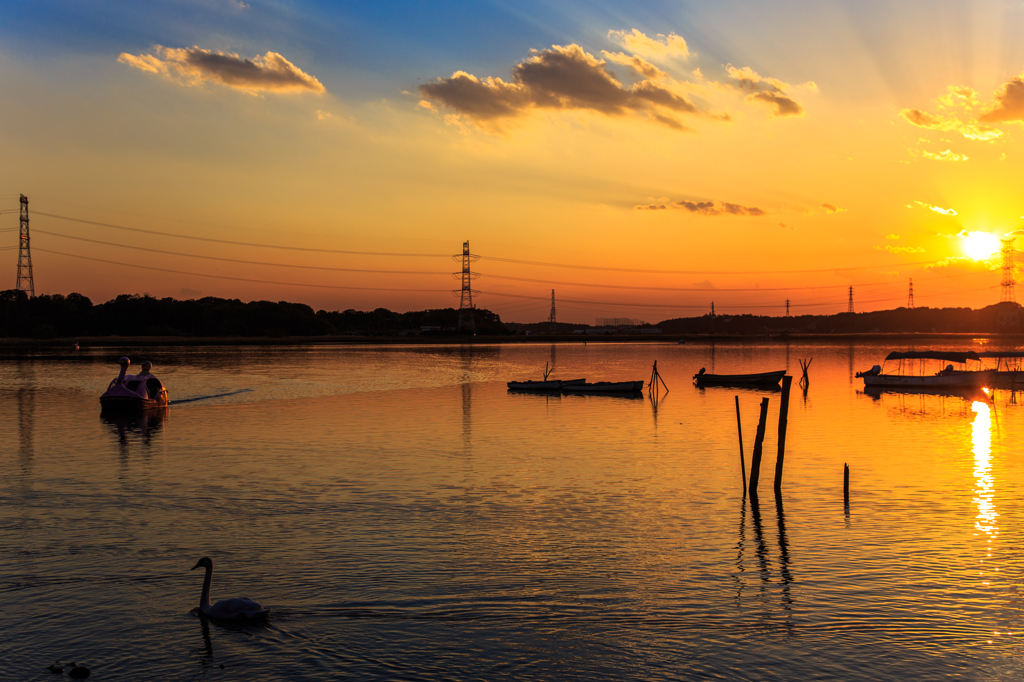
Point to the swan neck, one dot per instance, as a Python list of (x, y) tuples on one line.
[(204, 600)]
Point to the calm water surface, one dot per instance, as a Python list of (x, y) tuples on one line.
[(407, 518)]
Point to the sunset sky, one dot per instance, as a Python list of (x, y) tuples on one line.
[(643, 159)]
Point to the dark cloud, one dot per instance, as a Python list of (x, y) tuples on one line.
[(770, 91), (269, 72), (1009, 104), (783, 104), (709, 208), (559, 78), (923, 119)]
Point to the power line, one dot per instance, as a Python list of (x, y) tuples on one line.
[(490, 258), (698, 272), (235, 260), (412, 272), (236, 279), (630, 286), (234, 243)]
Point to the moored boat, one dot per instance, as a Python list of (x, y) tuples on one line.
[(606, 387), (550, 385), (1009, 369), (759, 379), (913, 372), (138, 391)]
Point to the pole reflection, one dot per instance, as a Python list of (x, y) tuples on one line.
[(26, 398)]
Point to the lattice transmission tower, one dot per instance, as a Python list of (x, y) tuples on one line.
[(910, 296), (551, 318), (849, 307), (25, 282), (465, 294), (1008, 317)]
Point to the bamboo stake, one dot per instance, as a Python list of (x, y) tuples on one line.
[(739, 428), (755, 464), (787, 382)]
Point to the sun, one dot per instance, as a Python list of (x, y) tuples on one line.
[(981, 245)]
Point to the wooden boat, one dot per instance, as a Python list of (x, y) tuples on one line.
[(761, 379), (134, 392), (606, 387), (912, 371), (550, 385)]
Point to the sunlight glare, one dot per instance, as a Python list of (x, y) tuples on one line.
[(984, 491), (980, 245)]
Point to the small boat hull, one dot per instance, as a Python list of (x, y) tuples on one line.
[(761, 379), (607, 387), (535, 385), (552, 385)]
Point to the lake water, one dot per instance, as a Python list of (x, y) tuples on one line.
[(407, 518)]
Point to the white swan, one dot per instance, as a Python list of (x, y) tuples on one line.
[(225, 609)]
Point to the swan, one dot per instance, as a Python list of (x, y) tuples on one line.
[(225, 609)]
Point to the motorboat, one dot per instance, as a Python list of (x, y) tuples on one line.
[(761, 379), (914, 371), (134, 391), (1009, 369), (549, 385)]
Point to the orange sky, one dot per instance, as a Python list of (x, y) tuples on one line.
[(727, 147)]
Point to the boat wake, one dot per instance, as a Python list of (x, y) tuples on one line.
[(210, 397)]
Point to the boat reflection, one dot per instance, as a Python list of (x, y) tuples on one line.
[(145, 423), (965, 392)]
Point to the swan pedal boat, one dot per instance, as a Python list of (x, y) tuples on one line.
[(134, 391)]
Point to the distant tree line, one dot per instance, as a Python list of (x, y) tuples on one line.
[(921, 320), (74, 315), (56, 315)]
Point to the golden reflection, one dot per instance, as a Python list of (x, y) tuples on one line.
[(984, 482)]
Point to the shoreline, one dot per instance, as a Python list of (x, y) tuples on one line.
[(85, 342)]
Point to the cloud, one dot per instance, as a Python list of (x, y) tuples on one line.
[(892, 236), (971, 131), (944, 156), (901, 249), (832, 208), (769, 91), (1009, 104), (640, 65), (708, 208), (706, 284), (959, 95), (926, 120), (194, 66), (661, 47), (190, 293), (784, 106), (559, 78), (936, 209)]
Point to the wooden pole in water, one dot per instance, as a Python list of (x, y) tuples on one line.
[(755, 457), (787, 381), (846, 484), (739, 428)]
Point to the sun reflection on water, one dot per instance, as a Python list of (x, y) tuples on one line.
[(984, 482)]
